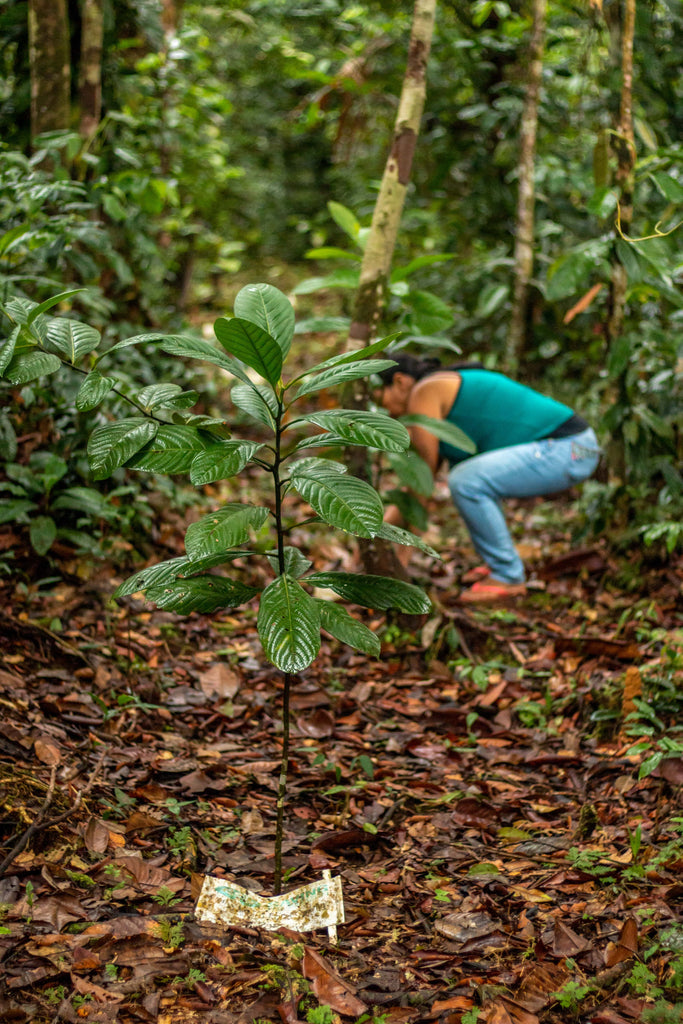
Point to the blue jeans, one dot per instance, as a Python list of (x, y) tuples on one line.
[(522, 471)]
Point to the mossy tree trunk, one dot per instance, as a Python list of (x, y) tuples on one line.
[(90, 76), (524, 233), (49, 58)]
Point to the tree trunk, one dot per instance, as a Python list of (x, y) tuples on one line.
[(90, 77), (49, 57), (381, 241), (524, 234), (623, 145), (377, 556)]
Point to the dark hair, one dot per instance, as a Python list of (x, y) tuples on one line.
[(418, 368)]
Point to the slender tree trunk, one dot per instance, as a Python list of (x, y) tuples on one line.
[(377, 556), (381, 241), (524, 234), (623, 145), (90, 77), (49, 57)]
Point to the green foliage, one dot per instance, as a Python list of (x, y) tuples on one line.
[(165, 437)]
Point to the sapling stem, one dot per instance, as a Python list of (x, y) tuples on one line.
[(282, 787)]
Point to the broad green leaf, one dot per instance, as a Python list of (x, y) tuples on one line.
[(7, 350), (172, 450), (252, 345), (94, 388), (43, 531), (31, 365), (192, 348), (341, 500), (165, 396), (172, 569), (296, 564), (268, 307), (223, 529), (341, 374), (8, 439), (331, 252), (326, 440), (288, 625), (323, 325), (401, 273), (342, 626), (87, 501), (13, 510), (442, 429), (373, 591), (345, 219), (112, 445), (399, 536), (430, 312), (412, 471), (200, 594), (71, 338), (54, 300), (356, 356), (344, 277), (258, 401), (373, 429), (222, 460), (669, 186), (491, 298)]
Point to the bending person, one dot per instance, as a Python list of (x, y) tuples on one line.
[(528, 445)]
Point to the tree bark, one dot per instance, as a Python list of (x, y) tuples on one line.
[(49, 58), (377, 556), (623, 145), (386, 218), (524, 234), (90, 77)]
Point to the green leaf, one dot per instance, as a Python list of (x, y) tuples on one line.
[(430, 312), (491, 298), (7, 350), (43, 532), (252, 345), (344, 277), (377, 592), (112, 445), (270, 309), (8, 439), (412, 471), (313, 465), (200, 594), (71, 338), (289, 625), (341, 374), (442, 429), (356, 356), (87, 501), (258, 401), (29, 366), (221, 461), (372, 429), (192, 348), (165, 396), (172, 569), (341, 500), (172, 450), (13, 510), (94, 388), (342, 626), (331, 252), (399, 536), (54, 300), (401, 273), (223, 529), (296, 564), (669, 186), (345, 219)]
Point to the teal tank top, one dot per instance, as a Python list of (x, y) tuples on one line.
[(496, 412)]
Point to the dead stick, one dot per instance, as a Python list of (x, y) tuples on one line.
[(39, 824)]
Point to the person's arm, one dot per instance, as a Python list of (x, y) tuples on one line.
[(431, 397)]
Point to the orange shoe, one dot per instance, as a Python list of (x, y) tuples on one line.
[(491, 592), (479, 572)]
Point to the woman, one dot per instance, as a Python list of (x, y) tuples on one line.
[(527, 445)]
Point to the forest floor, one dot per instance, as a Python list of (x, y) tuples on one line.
[(505, 855)]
